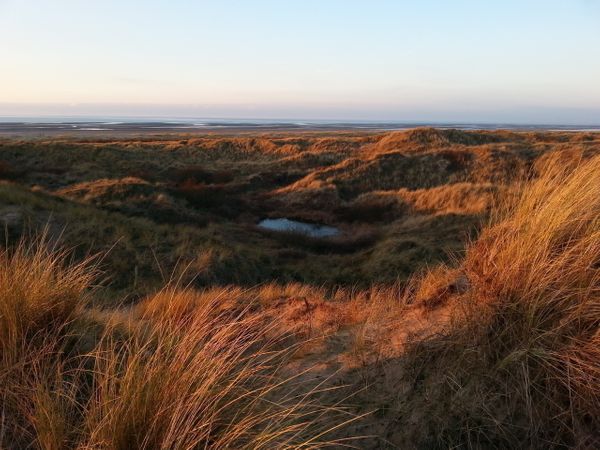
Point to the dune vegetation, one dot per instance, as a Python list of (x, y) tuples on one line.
[(458, 306)]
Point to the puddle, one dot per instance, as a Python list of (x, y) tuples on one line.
[(308, 229)]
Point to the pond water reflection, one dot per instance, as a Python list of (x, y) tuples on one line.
[(308, 229)]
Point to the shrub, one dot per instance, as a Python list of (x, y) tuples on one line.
[(8, 172), (200, 194), (199, 174)]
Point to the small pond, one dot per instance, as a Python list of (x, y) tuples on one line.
[(294, 226)]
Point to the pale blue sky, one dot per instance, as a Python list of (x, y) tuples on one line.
[(463, 60)]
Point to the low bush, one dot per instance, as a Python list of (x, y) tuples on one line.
[(202, 195), (199, 174), (8, 172)]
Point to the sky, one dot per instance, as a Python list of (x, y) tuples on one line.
[(509, 61)]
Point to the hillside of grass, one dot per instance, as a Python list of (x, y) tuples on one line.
[(152, 206), (142, 307)]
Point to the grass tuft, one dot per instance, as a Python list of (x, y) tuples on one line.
[(178, 371), (519, 365)]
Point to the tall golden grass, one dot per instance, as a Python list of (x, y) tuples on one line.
[(162, 376), (517, 365), (39, 299), (520, 366)]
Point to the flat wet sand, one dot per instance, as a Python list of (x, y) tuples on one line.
[(115, 128)]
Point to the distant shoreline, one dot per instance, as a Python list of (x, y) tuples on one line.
[(32, 127)]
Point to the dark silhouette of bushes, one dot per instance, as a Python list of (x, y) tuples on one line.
[(223, 199), (8, 172), (198, 174), (368, 210)]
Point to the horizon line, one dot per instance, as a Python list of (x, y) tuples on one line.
[(159, 117)]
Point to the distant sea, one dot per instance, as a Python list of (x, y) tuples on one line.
[(132, 125)]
